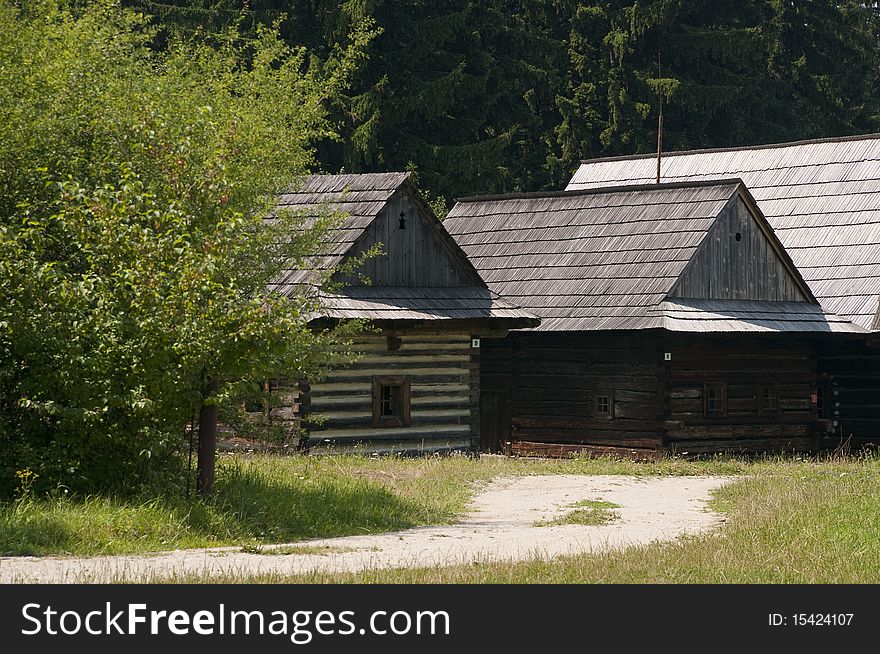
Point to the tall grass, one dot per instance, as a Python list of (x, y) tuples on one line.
[(792, 522), (263, 499), (273, 498)]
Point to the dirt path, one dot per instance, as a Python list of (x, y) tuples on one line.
[(500, 525)]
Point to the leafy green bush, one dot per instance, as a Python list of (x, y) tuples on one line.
[(134, 260)]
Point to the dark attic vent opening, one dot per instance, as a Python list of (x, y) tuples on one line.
[(738, 237), (402, 223)]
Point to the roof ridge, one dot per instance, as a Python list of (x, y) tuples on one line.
[(391, 180), (603, 190), (405, 173), (763, 146)]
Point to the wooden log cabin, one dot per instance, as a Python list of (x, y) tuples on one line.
[(672, 318), (415, 389), (822, 198)]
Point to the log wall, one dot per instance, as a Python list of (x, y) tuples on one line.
[(553, 380), (741, 364), (440, 368), (849, 378)]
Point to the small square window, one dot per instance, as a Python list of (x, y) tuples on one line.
[(605, 405), (391, 401), (714, 399)]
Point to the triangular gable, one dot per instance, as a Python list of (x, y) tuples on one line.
[(368, 201), (416, 249), (740, 258)]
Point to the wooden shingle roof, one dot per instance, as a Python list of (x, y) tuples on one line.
[(362, 197), (822, 198), (691, 315), (607, 258)]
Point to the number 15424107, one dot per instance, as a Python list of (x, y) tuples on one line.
[(810, 620)]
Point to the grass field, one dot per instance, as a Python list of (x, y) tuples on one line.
[(264, 499), (787, 520)]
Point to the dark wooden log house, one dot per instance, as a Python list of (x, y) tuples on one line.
[(672, 318), (822, 198), (416, 386)]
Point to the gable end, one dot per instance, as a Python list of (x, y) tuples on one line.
[(740, 258), (420, 254)]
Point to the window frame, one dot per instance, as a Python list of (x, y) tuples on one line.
[(609, 415), (721, 387), (403, 418), (759, 399)]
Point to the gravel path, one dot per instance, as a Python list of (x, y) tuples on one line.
[(500, 525)]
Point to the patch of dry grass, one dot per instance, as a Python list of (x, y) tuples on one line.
[(284, 550), (789, 521), (587, 513), (271, 498)]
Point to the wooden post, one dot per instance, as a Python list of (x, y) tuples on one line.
[(207, 443), (474, 396)]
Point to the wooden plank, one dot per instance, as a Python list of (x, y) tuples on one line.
[(744, 446), (429, 375), (409, 358), (572, 413), (581, 424), (425, 431), (723, 432), (610, 439), (331, 391), (560, 450)]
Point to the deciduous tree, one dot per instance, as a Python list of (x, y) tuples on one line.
[(134, 258)]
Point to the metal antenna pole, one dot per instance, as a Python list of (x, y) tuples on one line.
[(659, 119)]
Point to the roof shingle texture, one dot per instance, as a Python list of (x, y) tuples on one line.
[(606, 259), (821, 197)]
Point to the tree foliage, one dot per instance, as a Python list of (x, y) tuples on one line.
[(134, 260), (504, 95)]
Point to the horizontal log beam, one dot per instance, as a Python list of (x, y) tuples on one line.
[(559, 450)]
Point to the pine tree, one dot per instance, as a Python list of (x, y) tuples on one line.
[(507, 95), (827, 54), (459, 90)]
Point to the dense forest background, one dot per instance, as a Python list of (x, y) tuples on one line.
[(507, 95)]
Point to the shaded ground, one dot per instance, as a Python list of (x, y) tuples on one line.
[(500, 526)]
